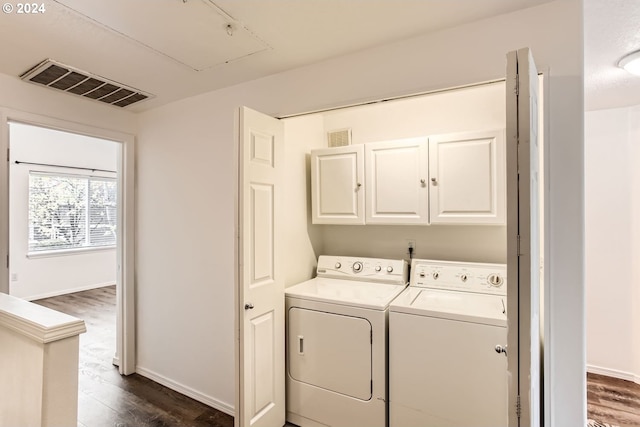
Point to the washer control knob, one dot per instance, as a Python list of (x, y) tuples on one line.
[(435, 275), (464, 277), (378, 268), (390, 269), (338, 265), (422, 274), (357, 266)]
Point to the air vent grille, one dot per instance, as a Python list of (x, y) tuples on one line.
[(339, 138), (68, 79)]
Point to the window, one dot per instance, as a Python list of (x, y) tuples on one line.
[(71, 211)]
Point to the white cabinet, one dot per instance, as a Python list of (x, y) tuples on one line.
[(337, 193), (467, 178), (396, 182), (449, 179)]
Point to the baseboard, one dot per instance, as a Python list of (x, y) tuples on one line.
[(67, 291), (628, 376), (187, 391)]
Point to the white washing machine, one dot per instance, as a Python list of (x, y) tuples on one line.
[(337, 342), (444, 367)]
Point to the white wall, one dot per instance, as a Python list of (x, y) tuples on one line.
[(186, 186), (612, 241), (43, 276)]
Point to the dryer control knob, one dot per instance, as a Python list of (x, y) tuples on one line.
[(389, 269), (435, 275), (338, 265), (378, 268), (357, 267), (463, 277), (495, 280)]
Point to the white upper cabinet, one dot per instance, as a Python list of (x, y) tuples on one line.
[(467, 178), (337, 191), (396, 182)]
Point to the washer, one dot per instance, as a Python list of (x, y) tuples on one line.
[(444, 367), (337, 342)]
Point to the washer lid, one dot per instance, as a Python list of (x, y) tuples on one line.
[(375, 296), (462, 306)]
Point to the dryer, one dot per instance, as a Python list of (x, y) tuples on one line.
[(337, 342), (447, 331)]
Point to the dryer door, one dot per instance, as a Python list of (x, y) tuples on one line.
[(330, 351)]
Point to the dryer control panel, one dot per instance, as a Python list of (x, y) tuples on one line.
[(368, 269), (460, 276)]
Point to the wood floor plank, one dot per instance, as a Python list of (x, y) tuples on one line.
[(613, 401), (108, 399)]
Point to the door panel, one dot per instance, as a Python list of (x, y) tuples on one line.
[(261, 395), (396, 175), (467, 178), (262, 234), (330, 351), (337, 175), (264, 384)]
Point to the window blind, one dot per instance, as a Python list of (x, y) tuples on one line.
[(71, 211)]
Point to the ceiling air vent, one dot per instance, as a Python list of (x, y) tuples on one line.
[(68, 79), (339, 138)]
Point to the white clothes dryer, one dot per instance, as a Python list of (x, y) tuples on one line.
[(337, 342), (444, 366)]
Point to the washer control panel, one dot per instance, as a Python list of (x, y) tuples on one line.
[(366, 269), (460, 276)]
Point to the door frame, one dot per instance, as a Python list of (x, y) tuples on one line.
[(544, 230), (125, 295)]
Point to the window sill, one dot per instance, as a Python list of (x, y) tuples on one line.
[(67, 252)]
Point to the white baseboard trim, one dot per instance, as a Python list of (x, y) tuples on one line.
[(68, 291), (187, 391), (628, 376)]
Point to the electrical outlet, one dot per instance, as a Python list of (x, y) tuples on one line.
[(411, 244)]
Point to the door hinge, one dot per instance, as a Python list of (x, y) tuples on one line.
[(518, 407)]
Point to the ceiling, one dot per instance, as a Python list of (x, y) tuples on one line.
[(174, 49), (611, 32)]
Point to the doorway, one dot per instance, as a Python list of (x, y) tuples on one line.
[(122, 147), (478, 243)]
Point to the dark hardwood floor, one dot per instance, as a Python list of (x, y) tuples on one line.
[(108, 399), (613, 401)]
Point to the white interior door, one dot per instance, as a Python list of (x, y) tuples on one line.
[(523, 254), (261, 399)]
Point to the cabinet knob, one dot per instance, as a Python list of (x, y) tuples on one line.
[(434, 181), (359, 185), (422, 181)]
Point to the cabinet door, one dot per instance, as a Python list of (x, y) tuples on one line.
[(467, 178), (337, 193), (396, 182)]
